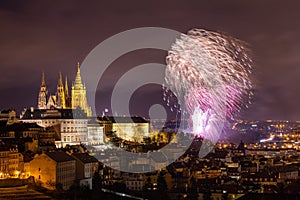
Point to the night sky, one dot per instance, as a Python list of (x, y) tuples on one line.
[(51, 36)]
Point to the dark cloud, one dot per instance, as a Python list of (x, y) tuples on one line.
[(53, 35)]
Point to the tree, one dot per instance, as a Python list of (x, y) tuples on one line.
[(161, 192), (97, 180), (193, 190), (170, 136), (280, 186), (161, 182), (147, 140), (85, 192), (207, 192), (59, 187), (79, 192)]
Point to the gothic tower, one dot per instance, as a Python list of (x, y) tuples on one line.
[(79, 94), (42, 99), (67, 96), (60, 94)]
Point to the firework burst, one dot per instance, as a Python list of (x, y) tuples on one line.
[(209, 73)]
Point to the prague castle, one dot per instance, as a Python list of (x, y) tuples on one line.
[(62, 99)]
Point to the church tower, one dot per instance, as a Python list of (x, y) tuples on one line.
[(60, 94), (42, 99), (67, 96), (78, 95)]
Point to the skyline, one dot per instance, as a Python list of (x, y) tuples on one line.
[(52, 37)]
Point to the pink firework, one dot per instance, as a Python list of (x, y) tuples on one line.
[(209, 73)]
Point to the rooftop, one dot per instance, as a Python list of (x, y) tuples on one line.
[(59, 156), (53, 114), (85, 157), (134, 119)]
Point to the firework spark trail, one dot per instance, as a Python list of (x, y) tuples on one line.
[(209, 73)]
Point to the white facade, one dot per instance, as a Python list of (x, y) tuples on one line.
[(95, 134), (131, 131), (72, 131)]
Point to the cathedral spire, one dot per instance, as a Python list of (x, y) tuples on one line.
[(43, 79), (78, 67), (60, 93), (78, 94), (78, 82), (66, 87), (67, 97), (42, 98), (60, 82)]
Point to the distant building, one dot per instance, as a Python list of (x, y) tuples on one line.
[(240, 150), (8, 116), (11, 162), (287, 172), (71, 124), (260, 178), (86, 166), (28, 136), (78, 98), (134, 181), (62, 99), (27, 157), (95, 133), (158, 160), (53, 170), (127, 128)]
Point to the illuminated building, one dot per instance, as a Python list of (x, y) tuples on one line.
[(53, 169), (134, 181), (79, 94), (28, 136), (72, 124), (62, 100), (86, 166), (11, 161), (127, 128), (95, 133), (8, 116), (158, 160)]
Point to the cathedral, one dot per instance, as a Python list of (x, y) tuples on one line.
[(62, 99)]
